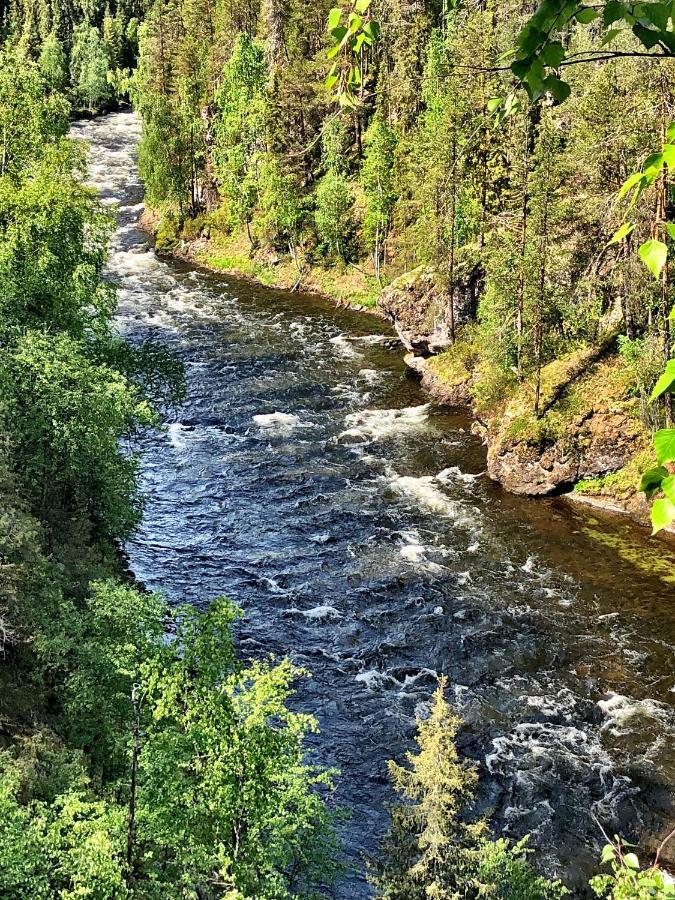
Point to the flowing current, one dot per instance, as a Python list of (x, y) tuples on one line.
[(308, 477)]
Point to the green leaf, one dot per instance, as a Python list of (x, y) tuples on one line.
[(662, 515), (372, 29), (331, 81), (334, 17), (608, 853), (494, 104), (647, 36), (670, 228), (355, 23), (586, 15), (553, 54), (655, 13), (559, 89), (613, 12), (622, 233), (531, 39), (651, 482), (665, 382), (520, 67), (664, 445), (635, 180), (670, 133), (362, 6), (631, 860), (668, 155), (653, 165), (654, 254), (611, 35), (668, 488)]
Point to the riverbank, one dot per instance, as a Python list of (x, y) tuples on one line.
[(199, 243), (588, 442)]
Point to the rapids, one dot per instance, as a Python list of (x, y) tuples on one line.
[(309, 478)]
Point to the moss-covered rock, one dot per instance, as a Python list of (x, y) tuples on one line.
[(418, 305), (589, 427)]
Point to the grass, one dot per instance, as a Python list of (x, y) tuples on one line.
[(346, 284)]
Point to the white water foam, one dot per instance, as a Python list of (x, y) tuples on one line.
[(428, 496), (375, 424), (317, 614), (343, 347), (278, 422)]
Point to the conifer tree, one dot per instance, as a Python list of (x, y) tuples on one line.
[(435, 850)]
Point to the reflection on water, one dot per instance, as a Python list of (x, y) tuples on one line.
[(308, 477)]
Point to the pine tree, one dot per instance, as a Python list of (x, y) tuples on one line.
[(434, 850)]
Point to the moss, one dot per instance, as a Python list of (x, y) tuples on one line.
[(167, 234), (621, 484), (458, 363), (233, 253), (193, 228)]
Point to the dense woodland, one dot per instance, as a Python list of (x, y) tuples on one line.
[(140, 756), (512, 212)]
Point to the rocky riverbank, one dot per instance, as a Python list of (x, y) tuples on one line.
[(588, 442)]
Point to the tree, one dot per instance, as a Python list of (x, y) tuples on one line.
[(333, 214), (89, 68), (53, 63), (30, 123), (539, 57), (434, 850), (226, 801), (239, 127), (377, 178)]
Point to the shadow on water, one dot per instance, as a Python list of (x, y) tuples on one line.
[(308, 477)]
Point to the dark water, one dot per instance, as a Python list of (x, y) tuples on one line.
[(308, 477)]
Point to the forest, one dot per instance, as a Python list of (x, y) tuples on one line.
[(497, 218), (425, 156)]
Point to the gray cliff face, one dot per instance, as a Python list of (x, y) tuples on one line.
[(418, 306)]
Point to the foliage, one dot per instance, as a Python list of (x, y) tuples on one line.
[(240, 127), (628, 880), (377, 175), (56, 840), (433, 848), (84, 48), (333, 214), (223, 787), (221, 801), (89, 68), (31, 124), (652, 25), (351, 32)]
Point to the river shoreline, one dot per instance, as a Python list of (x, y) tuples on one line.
[(310, 478), (194, 252)]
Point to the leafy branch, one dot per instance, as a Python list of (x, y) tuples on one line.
[(350, 30)]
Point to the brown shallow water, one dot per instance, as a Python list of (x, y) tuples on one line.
[(308, 477)]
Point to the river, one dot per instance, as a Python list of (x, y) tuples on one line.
[(308, 477)]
